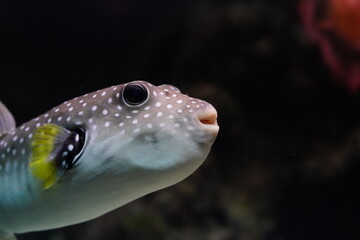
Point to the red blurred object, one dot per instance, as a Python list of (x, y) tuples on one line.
[(335, 26)]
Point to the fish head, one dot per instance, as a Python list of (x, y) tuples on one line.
[(143, 135)]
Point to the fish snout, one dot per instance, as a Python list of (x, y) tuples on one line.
[(208, 120)]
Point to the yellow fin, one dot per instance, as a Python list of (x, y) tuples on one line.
[(44, 147)]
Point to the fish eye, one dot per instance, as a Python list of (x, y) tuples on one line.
[(135, 94)]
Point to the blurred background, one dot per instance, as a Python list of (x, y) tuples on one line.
[(283, 75)]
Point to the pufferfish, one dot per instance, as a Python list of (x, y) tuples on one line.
[(97, 152)]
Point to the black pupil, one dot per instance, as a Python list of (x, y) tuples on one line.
[(134, 94)]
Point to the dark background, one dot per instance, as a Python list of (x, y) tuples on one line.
[(285, 164)]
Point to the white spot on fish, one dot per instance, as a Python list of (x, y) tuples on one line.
[(121, 124), (70, 147), (81, 113), (169, 106), (146, 115), (107, 124), (158, 104), (70, 109), (94, 108), (159, 114), (105, 112)]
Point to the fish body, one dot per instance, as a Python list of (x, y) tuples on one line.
[(97, 152)]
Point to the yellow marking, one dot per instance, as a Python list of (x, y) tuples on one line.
[(42, 147)]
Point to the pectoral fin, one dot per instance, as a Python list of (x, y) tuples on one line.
[(53, 150), (46, 146)]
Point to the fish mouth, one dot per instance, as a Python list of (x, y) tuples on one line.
[(208, 120)]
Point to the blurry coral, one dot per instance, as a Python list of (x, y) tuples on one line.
[(334, 26)]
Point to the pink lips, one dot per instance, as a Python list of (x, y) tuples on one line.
[(208, 120)]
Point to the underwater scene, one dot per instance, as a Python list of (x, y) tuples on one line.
[(280, 78)]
